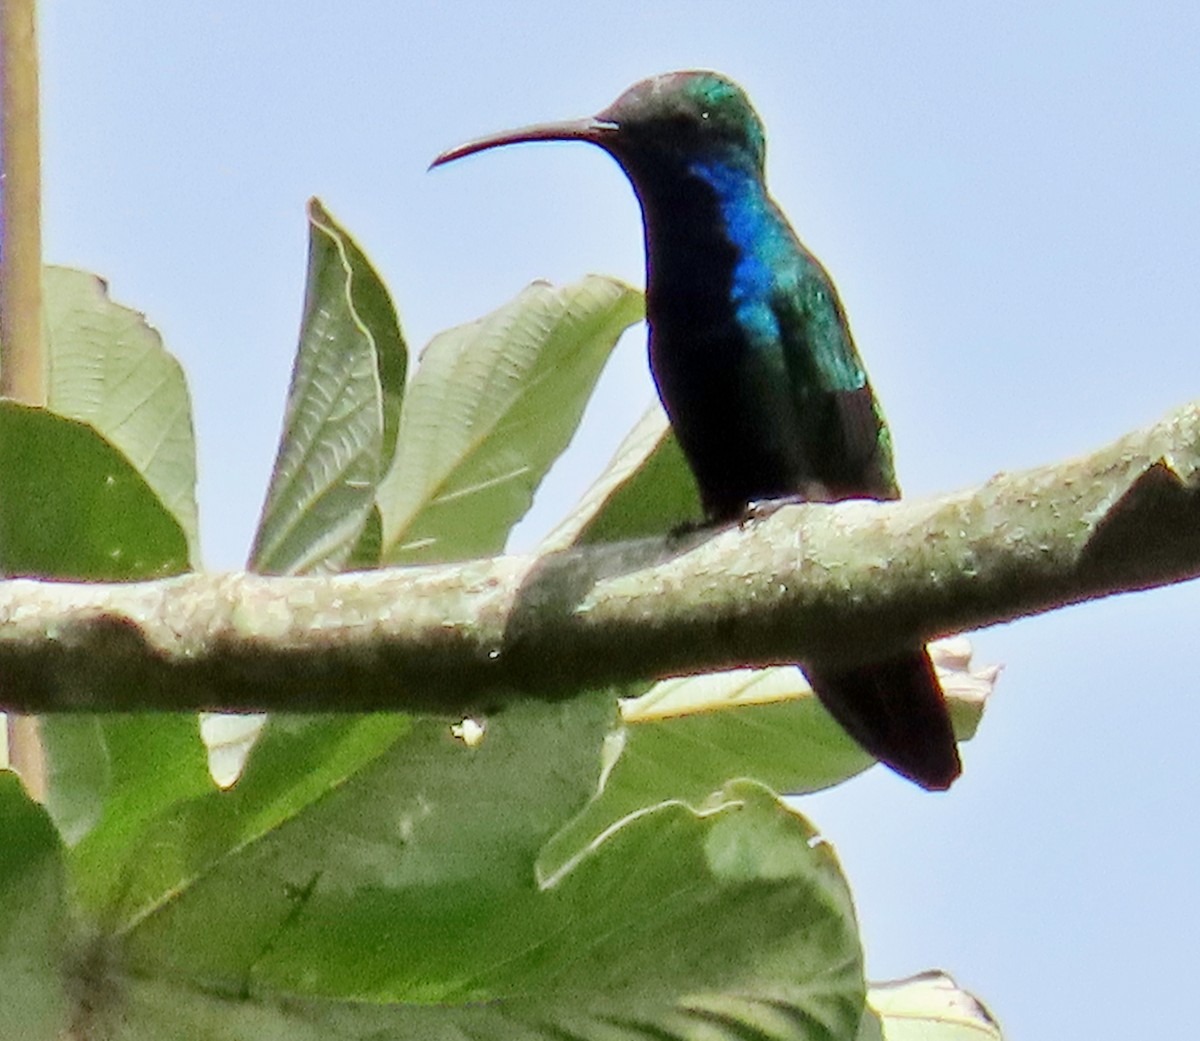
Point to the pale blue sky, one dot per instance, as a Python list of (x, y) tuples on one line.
[(1006, 196)]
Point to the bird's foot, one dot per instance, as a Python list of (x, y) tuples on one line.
[(760, 509)]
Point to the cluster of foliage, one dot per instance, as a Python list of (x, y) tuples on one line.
[(582, 871)]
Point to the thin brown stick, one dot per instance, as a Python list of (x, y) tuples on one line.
[(22, 359)]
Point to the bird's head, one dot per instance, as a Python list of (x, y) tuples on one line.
[(662, 120)]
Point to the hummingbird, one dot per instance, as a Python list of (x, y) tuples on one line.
[(752, 355)]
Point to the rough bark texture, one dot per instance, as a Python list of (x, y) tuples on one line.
[(843, 583)]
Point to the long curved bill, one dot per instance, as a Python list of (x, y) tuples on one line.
[(589, 129)]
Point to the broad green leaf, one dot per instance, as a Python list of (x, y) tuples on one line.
[(111, 778), (684, 737), (90, 517), (33, 920), (928, 1007), (160, 1010), (646, 489), (297, 762), (375, 309), (426, 819), (332, 451), (369, 547), (734, 925), (107, 367), (405, 897), (72, 506), (122, 769), (339, 433), (113, 502), (492, 405), (78, 773)]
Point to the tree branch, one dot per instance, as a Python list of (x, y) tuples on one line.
[(844, 582)]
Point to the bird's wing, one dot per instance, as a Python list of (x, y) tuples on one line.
[(845, 435)]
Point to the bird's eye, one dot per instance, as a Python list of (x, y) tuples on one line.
[(704, 115)]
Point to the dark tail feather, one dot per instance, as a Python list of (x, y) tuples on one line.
[(896, 710)]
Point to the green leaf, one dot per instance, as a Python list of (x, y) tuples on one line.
[(928, 1007), (122, 769), (369, 547), (340, 429), (684, 737), (385, 885), (111, 778), (647, 489), (492, 405), (331, 454), (112, 500), (78, 773), (33, 920), (297, 764), (72, 506), (374, 307), (108, 368), (418, 820)]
